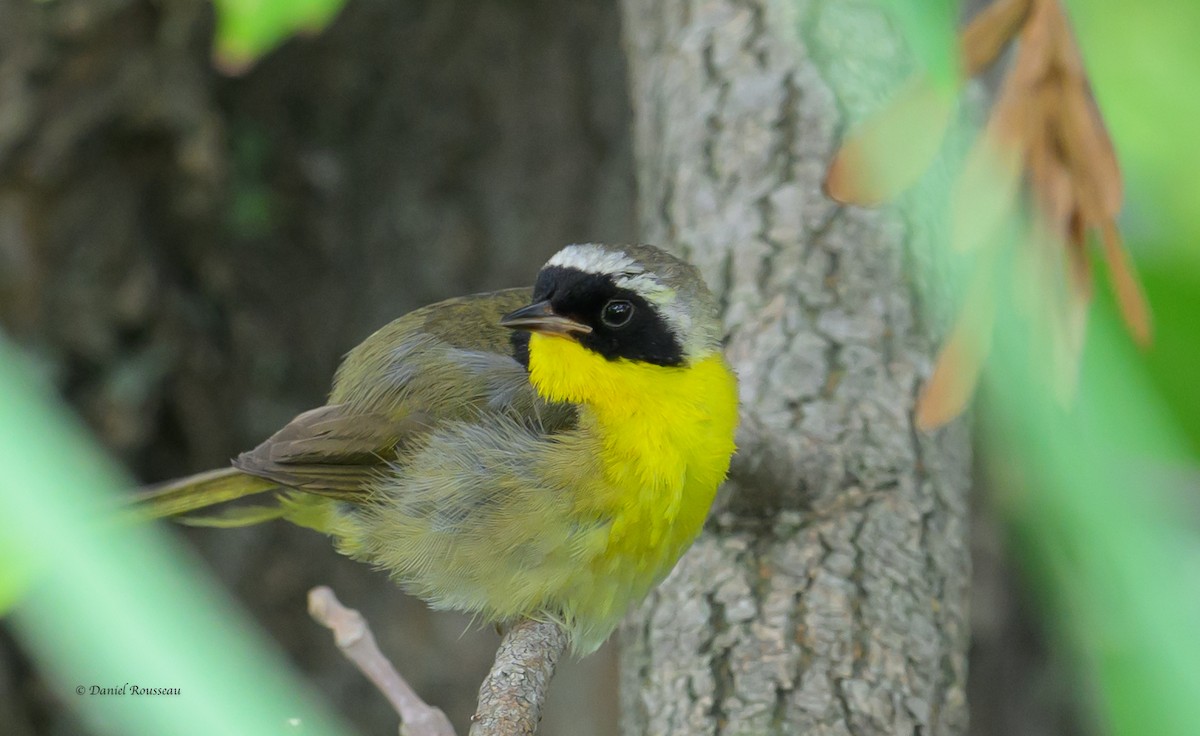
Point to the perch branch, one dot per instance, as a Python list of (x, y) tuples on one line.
[(511, 697), (354, 638)]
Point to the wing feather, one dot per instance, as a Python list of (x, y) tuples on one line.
[(450, 362)]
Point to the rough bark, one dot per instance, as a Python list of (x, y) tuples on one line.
[(828, 595), (513, 694)]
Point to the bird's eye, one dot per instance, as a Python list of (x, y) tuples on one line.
[(617, 313)]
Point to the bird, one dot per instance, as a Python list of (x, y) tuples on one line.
[(545, 453)]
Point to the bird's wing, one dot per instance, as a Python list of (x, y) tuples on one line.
[(329, 450), (449, 362)]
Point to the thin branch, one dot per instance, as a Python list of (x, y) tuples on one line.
[(354, 638), (511, 697)]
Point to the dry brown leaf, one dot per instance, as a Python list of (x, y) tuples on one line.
[(956, 372), (1035, 49), (1079, 263), (1076, 298), (1078, 125), (1130, 298), (989, 32), (1066, 53), (1088, 151), (1051, 185)]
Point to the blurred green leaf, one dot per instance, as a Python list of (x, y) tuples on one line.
[(114, 604), (247, 29), (1102, 489), (1173, 362), (1142, 57), (1143, 60), (929, 26), (1105, 516), (15, 573), (1105, 534)]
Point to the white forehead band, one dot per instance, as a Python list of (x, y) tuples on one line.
[(594, 259), (625, 272)]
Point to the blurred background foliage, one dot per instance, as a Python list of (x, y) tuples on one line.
[(106, 604), (1098, 495), (1140, 55), (184, 255), (247, 29)]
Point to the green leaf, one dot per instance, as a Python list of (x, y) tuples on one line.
[(113, 604), (929, 26), (247, 29)]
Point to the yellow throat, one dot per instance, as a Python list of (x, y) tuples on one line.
[(666, 439)]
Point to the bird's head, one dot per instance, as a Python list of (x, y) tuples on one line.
[(603, 314)]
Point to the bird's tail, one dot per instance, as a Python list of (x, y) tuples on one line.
[(205, 490)]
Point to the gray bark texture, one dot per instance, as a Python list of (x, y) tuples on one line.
[(828, 593), (513, 694)]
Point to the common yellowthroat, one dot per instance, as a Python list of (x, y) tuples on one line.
[(547, 457)]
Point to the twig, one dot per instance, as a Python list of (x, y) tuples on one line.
[(511, 697), (354, 638)]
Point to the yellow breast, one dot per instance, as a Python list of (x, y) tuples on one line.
[(666, 436)]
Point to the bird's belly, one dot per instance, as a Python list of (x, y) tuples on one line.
[(509, 548), (507, 522)]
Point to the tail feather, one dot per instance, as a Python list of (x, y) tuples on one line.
[(199, 491), (236, 517)]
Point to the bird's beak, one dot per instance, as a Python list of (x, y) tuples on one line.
[(541, 317)]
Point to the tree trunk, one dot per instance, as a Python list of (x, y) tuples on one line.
[(827, 595)]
